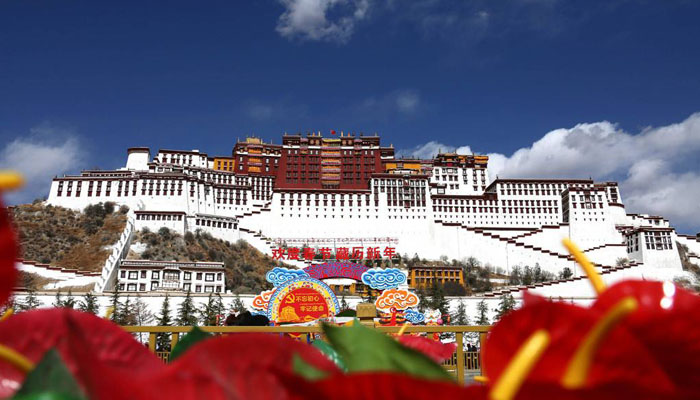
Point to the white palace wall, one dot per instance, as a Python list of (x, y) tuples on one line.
[(512, 222)]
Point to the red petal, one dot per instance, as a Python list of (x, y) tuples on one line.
[(530, 299), (540, 391), (8, 255), (382, 386), (34, 332), (434, 349), (619, 359), (667, 323), (245, 366)]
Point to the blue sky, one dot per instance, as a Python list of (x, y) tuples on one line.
[(81, 80)]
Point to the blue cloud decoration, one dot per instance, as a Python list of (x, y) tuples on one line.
[(279, 275), (380, 279), (413, 316)]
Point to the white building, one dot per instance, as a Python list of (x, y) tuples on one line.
[(350, 191), (147, 275)]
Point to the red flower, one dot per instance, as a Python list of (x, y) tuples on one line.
[(236, 366), (71, 332), (381, 386), (110, 364), (434, 349), (8, 255), (619, 360), (390, 386), (667, 324)]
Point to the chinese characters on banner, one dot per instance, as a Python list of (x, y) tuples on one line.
[(341, 253)]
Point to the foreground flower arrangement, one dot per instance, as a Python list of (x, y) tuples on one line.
[(638, 340)]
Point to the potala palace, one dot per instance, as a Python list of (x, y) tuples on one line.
[(351, 191)]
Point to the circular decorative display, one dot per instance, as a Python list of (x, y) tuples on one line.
[(302, 300)]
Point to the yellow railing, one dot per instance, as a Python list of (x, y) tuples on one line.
[(460, 362)]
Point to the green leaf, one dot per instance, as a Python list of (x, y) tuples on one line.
[(306, 370), (196, 335), (330, 352), (50, 379), (364, 349)]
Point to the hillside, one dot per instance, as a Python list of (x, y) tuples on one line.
[(245, 265), (67, 238)]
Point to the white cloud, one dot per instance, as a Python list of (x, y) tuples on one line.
[(280, 108), (431, 149), (399, 102), (39, 156), (654, 167), (459, 22), (407, 101), (259, 111), (602, 150), (653, 188), (321, 20)]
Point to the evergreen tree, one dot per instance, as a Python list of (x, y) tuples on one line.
[(483, 311), (565, 273), (219, 309), (89, 303), (186, 313), (237, 306), (538, 276), (116, 306), (208, 312), (437, 298), (163, 339), (69, 302), (30, 301), (506, 305), (516, 277), (128, 313), (527, 275), (423, 302), (57, 302), (460, 316)]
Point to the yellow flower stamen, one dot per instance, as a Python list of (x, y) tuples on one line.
[(577, 371), (582, 260), (7, 314), (513, 376), (403, 328), (481, 379), (10, 180), (109, 312), (15, 359)]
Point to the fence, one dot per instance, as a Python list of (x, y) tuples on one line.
[(121, 248), (460, 362)]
